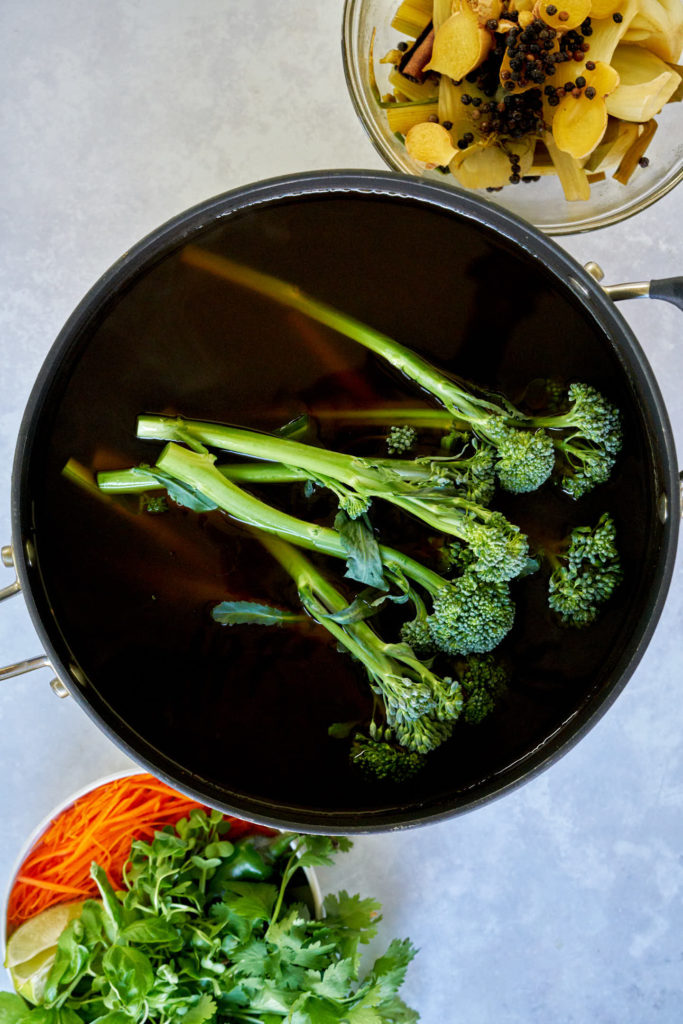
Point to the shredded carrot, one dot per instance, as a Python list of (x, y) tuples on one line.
[(99, 826)]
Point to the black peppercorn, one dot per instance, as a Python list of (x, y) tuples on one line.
[(617, 17)]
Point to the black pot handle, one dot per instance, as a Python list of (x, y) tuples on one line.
[(668, 288)]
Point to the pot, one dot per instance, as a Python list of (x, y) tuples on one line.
[(238, 719)]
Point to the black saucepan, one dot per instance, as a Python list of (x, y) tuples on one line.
[(238, 716)]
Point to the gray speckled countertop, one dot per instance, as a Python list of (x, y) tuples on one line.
[(561, 902)]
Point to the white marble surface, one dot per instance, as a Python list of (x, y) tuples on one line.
[(560, 903)]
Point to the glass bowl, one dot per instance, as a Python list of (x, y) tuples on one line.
[(542, 202)]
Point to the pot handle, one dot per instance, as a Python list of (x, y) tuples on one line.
[(669, 289), (29, 664)]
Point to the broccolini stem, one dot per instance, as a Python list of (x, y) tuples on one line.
[(358, 638), (138, 480), (367, 478), (248, 442), (458, 402), (390, 415), (199, 472)]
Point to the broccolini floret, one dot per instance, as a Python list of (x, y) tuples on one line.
[(471, 616), (483, 681), (586, 569), (476, 474), (401, 439), (416, 632), (380, 756), (587, 436), (526, 458), (424, 734)]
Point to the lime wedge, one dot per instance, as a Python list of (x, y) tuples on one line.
[(39, 933), (30, 977)]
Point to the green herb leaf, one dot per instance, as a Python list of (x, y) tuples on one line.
[(114, 1017), (12, 1008), (152, 930), (203, 1010), (181, 493), (336, 980), (129, 972), (388, 972), (360, 1014), (234, 613), (368, 603), (355, 913), (364, 562), (254, 900)]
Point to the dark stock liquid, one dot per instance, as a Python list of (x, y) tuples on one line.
[(247, 708)]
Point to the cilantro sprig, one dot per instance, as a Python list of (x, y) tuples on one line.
[(207, 931)]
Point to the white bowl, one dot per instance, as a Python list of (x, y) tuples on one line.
[(64, 805)]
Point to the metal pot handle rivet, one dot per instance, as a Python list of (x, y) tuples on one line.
[(58, 688), (8, 559)]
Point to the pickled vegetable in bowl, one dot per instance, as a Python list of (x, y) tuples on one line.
[(548, 104)]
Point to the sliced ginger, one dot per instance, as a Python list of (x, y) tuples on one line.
[(486, 10), (580, 121), (430, 143), (646, 83), (483, 165), (658, 26), (604, 8), (461, 44), (563, 14)]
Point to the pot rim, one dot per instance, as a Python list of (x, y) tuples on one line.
[(569, 275)]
